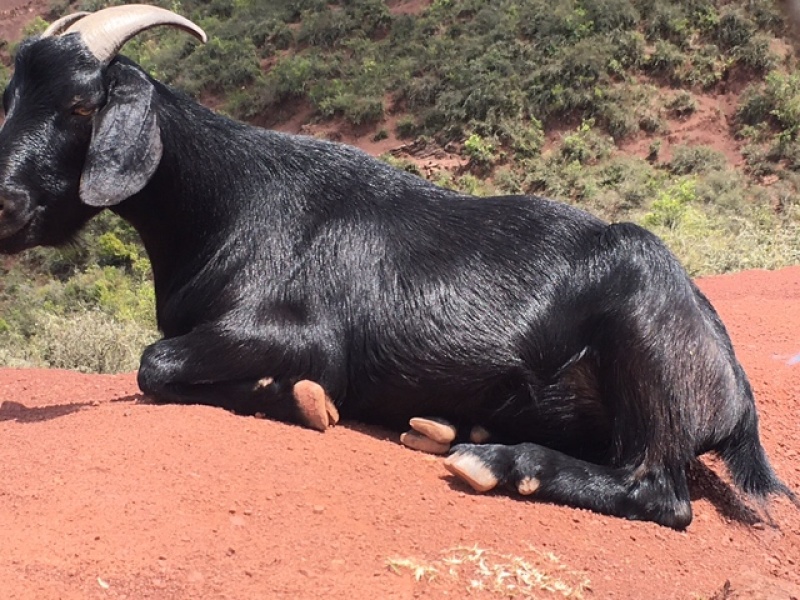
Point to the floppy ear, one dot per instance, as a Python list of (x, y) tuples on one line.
[(126, 141)]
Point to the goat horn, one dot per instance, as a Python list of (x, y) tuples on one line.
[(106, 31), (58, 26)]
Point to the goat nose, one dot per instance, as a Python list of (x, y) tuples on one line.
[(15, 210)]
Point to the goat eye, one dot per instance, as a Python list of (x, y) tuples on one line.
[(83, 111)]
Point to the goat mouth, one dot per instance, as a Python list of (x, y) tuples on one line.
[(14, 232)]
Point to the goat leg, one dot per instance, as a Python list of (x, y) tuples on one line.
[(315, 405), (184, 370), (434, 435)]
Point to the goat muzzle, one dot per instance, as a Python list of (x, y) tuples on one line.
[(15, 212), (106, 31)]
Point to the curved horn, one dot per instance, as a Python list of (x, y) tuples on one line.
[(58, 26), (106, 31)]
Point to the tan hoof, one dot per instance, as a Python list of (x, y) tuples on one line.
[(528, 486), (317, 408), (437, 430), (479, 435), (471, 469), (417, 441)]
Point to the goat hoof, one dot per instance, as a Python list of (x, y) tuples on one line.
[(436, 429), (317, 409), (479, 435), (473, 470), (417, 441)]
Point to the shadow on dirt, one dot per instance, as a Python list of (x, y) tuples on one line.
[(705, 484), (16, 411)]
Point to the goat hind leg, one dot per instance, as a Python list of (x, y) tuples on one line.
[(657, 494), (434, 435)]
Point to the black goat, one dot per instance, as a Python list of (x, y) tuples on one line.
[(285, 263)]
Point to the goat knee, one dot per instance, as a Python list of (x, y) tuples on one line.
[(158, 368)]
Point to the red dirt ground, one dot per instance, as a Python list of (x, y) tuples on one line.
[(104, 496)]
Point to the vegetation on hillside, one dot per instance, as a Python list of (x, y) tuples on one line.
[(538, 96)]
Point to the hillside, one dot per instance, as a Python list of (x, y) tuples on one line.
[(681, 116)]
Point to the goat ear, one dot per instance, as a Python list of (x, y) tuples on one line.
[(126, 143)]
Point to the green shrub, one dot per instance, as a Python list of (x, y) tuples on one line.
[(756, 54), (406, 127), (469, 184), (90, 341), (695, 159), (526, 138), (480, 151), (681, 104), (666, 60), (5, 76), (585, 145), (403, 164), (777, 102), (293, 76), (733, 29), (673, 205), (754, 106)]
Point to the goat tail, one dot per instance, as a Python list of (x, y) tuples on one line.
[(748, 464)]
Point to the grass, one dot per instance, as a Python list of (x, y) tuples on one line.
[(89, 341), (537, 574)]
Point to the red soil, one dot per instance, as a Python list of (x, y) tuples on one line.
[(15, 14), (104, 496)]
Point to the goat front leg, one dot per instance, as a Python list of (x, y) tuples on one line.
[(207, 367)]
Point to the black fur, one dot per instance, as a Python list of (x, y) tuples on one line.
[(293, 258)]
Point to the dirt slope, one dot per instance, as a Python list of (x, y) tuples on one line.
[(102, 496), (15, 14)]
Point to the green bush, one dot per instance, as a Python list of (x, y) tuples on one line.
[(734, 29), (688, 160), (681, 104), (586, 145), (666, 60), (90, 341), (673, 205), (480, 151), (406, 127), (5, 76), (777, 101)]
